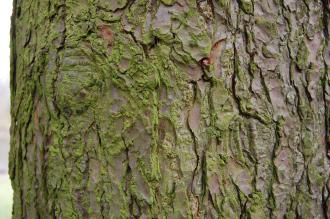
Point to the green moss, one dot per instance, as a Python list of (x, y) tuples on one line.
[(225, 3), (302, 56), (316, 175), (258, 203), (168, 2), (268, 25), (166, 37), (304, 204), (226, 120), (223, 159), (246, 6)]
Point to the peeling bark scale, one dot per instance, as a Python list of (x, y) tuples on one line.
[(170, 109)]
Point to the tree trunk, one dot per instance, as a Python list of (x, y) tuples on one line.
[(170, 109)]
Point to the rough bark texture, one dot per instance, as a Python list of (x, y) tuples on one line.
[(170, 109)]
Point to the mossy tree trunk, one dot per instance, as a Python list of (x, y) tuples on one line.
[(170, 109)]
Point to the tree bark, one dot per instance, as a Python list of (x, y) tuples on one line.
[(170, 109)]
